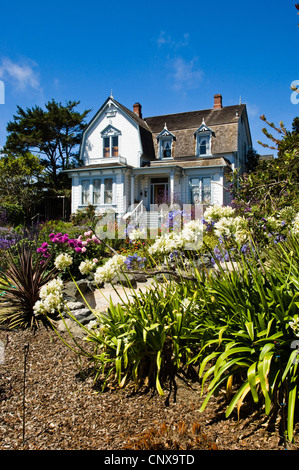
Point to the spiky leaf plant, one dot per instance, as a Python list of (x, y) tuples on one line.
[(20, 284)]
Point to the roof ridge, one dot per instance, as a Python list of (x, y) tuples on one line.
[(196, 111)]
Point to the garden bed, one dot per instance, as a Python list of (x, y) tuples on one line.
[(63, 411)]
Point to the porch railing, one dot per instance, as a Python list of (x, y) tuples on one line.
[(136, 213)]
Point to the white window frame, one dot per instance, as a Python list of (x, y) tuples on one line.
[(108, 133), (162, 141), (82, 191), (200, 137), (102, 202)]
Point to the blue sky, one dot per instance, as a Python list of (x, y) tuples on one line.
[(168, 56)]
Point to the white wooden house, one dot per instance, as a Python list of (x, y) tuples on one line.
[(129, 160)]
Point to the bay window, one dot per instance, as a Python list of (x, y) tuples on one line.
[(97, 191)]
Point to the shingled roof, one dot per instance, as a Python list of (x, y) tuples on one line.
[(222, 121), (193, 119)]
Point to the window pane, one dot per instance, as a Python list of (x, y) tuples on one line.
[(194, 181), (108, 191), (166, 149), (85, 192), (206, 190), (203, 147), (115, 146), (106, 147), (195, 190), (96, 191)]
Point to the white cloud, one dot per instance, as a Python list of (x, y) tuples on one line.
[(185, 75), (24, 75), (167, 40)]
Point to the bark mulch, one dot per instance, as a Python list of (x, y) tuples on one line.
[(57, 407)]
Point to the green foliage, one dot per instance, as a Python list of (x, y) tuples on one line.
[(20, 285), (15, 214), (251, 160), (249, 340), (54, 133), (274, 183), (19, 183), (147, 340), (270, 188), (59, 226), (84, 216), (237, 324)]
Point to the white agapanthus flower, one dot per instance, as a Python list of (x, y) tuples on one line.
[(232, 227), (185, 239), (216, 212), (167, 243), (137, 234), (51, 298), (54, 286), (273, 224), (86, 267), (295, 227), (110, 269), (63, 261), (294, 324)]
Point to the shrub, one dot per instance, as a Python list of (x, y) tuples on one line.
[(83, 216), (15, 214), (75, 241), (249, 347), (20, 286)]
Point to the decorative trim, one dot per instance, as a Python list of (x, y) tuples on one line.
[(110, 131)]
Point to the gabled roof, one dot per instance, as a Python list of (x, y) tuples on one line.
[(145, 133)]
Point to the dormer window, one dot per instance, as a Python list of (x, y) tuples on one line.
[(110, 137), (165, 140), (203, 137), (203, 146)]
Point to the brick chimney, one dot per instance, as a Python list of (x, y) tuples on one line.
[(218, 101), (137, 109)]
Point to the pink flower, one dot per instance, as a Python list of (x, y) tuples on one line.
[(83, 249), (87, 234), (95, 260)]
